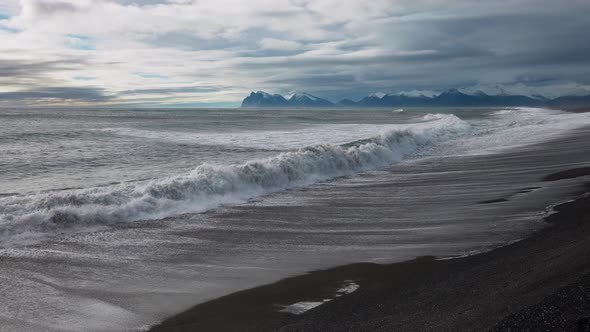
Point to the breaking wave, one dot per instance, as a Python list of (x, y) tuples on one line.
[(209, 186)]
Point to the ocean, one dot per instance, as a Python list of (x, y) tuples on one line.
[(117, 218)]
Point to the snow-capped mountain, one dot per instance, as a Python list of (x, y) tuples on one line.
[(295, 100), (477, 96), (503, 90), (474, 97), (378, 95), (304, 99), (416, 93), (534, 92), (263, 99)]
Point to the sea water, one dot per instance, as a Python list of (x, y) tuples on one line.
[(116, 218)]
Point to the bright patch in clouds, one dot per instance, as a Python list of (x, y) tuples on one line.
[(147, 75), (182, 52), (84, 78), (79, 42)]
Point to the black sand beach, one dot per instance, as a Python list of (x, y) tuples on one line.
[(539, 283)]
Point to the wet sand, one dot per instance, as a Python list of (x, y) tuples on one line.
[(516, 287), (521, 286)]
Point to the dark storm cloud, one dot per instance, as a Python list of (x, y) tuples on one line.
[(496, 42), (18, 69), (52, 7), (311, 79), (85, 94), (509, 37), (322, 63)]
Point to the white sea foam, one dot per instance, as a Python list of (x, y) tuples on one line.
[(208, 186), (25, 218), (347, 288), (513, 127), (266, 139), (300, 307)]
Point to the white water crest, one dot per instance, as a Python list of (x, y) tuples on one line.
[(209, 186), (33, 217), (336, 134)]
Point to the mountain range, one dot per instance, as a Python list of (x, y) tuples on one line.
[(263, 99), (449, 98)]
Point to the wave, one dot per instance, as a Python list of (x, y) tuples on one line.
[(209, 186), (269, 140)]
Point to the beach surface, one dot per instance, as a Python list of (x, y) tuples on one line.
[(541, 282)]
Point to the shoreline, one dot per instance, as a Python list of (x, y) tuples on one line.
[(495, 289)]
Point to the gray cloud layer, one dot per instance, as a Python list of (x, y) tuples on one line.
[(216, 52), (55, 93)]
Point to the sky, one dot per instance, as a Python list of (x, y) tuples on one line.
[(212, 53)]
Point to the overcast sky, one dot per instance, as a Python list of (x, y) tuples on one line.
[(214, 52)]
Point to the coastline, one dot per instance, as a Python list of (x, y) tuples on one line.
[(522, 285), (501, 289), (449, 199)]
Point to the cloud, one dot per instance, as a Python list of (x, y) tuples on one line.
[(278, 44), (345, 48), (56, 95), (43, 7), (169, 90), (79, 42), (150, 75), (84, 78), (23, 69)]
